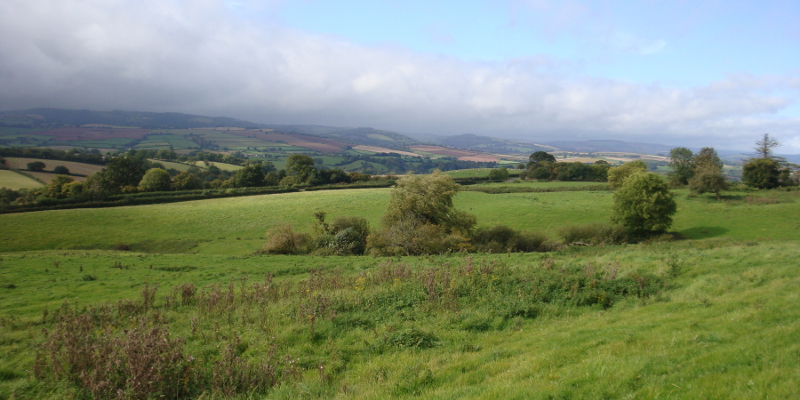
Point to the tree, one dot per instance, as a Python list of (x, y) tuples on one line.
[(498, 175), (617, 175), (155, 180), (644, 204), (251, 175), (764, 146), (186, 181), (36, 166), (682, 164), (55, 188), (302, 166), (62, 170), (707, 158), (761, 173), (708, 179), (539, 156)]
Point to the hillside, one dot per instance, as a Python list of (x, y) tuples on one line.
[(709, 317)]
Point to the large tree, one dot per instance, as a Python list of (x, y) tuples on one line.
[(540, 156), (250, 176), (708, 173), (644, 204), (682, 164), (761, 173), (155, 180), (300, 166)]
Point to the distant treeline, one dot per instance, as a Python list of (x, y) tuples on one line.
[(88, 157), (398, 164)]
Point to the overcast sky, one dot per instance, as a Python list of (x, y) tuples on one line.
[(694, 73)]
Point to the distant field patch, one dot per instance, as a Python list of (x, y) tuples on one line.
[(174, 165), (73, 167), (307, 141), (480, 158), (443, 151), (222, 166), (93, 134), (375, 149), (46, 177), (378, 136), (16, 181)]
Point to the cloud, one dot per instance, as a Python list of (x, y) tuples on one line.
[(200, 57)]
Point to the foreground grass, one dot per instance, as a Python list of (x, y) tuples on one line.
[(725, 326)]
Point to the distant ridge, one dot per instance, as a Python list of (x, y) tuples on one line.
[(37, 117), (587, 146)]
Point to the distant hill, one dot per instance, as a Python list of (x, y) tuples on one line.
[(373, 137), (53, 117), (587, 146), (493, 145)]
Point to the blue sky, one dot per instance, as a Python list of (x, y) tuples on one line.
[(675, 42), (693, 73)]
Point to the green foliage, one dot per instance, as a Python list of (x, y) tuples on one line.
[(498, 175), (682, 165), (540, 156), (501, 239), (345, 236), (251, 175), (301, 166), (761, 173), (644, 204), (594, 233), (708, 179), (58, 187), (186, 181), (421, 219), (36, 166), (284, 240), (708, 159), (617, 175), (60, 169), (155, 180)]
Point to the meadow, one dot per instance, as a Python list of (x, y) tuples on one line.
[(711, 316)]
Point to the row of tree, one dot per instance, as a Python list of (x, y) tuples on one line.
[(544, 167)]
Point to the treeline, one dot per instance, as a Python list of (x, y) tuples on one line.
[(398, 164), (134, 174), (88, 157), (543, 166)]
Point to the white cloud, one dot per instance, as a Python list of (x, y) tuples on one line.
[(199, 57)]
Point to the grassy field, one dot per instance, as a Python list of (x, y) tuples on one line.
[(714, 316), (15, 181), (74, 167)]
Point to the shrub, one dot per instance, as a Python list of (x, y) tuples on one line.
[(60, 169), (284, 240), (595, 233), (500, 239)]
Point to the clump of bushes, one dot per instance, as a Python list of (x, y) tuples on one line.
[(501, 239), (593, 234)]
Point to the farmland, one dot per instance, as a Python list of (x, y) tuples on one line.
[(715, 315)]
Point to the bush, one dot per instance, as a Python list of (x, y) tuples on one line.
[(36, 166), (500, 239), (596, 233), (284, 240), (345, 236), (60, 169)]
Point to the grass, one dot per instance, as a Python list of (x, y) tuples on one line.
[(13, 180), (725, 327), (723, 323), (237, 225), (74, 167)]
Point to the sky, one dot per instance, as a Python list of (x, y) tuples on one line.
[(683, 73)]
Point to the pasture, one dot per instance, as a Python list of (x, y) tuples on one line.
[(714, 315), (15, 181)]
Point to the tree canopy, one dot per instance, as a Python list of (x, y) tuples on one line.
[(644, 204), (617, 175)]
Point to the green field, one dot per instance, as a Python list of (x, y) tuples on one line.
[(720, 320), (15, 181)]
